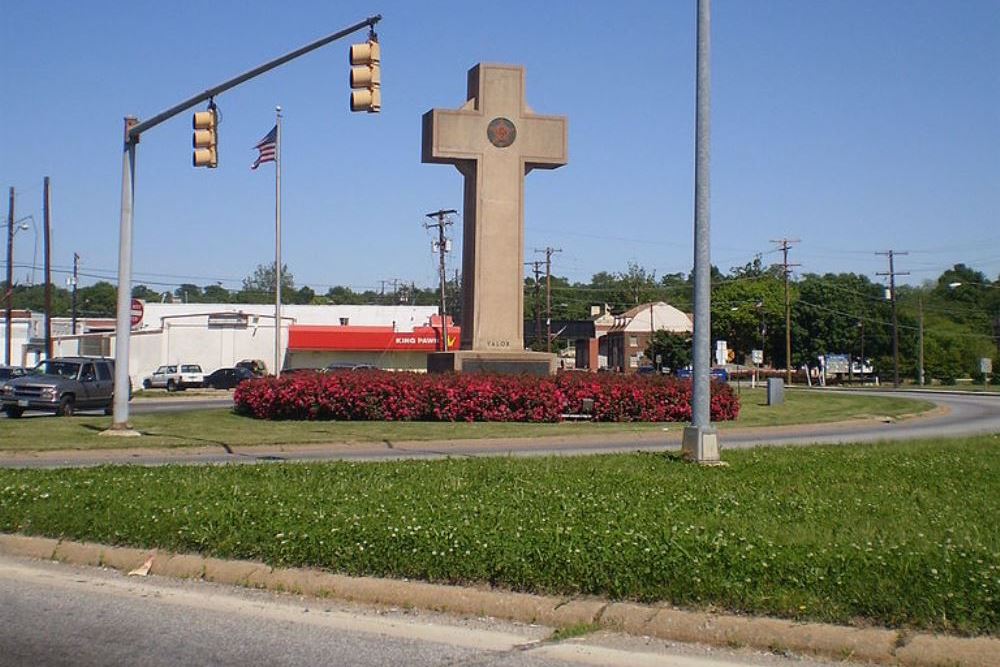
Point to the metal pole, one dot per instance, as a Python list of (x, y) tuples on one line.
[(47, 208), (139, 128), (10, 279), (123, 326), (548, 300), (700, 442), (76, 280), (700, 398), (277, 243)]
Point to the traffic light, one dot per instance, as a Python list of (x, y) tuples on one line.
[(205, 124), (365, 77)]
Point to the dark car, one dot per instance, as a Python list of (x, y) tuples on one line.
[(62, 385), (716, 374), (227, 378), (11, 372)]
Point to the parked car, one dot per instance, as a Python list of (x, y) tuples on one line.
[(227, 378), (255, 366), (716, 374), (175, 377), (9, 372), (62, 385)]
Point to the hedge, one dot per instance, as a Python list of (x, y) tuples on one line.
[(383, 396)]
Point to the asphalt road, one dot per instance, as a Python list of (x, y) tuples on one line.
[(57, 614)]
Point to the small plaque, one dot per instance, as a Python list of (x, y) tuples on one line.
[(501, 132)]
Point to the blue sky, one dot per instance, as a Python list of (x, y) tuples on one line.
[(855, 126)]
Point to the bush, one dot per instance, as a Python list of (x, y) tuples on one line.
[(377, 396)]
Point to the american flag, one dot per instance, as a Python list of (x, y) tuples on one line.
[(268, 147)]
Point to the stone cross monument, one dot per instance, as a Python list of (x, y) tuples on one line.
[(494, 140)]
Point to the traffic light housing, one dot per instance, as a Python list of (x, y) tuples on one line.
[(205, 138), (365, 77)]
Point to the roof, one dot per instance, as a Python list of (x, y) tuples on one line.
[(654, 316)]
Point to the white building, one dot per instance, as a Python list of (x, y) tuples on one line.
[(217, 335)]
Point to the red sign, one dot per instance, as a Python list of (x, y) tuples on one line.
[(136, 311), (369, 339)]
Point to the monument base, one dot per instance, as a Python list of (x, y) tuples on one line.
[(701, 445), (475, 361)]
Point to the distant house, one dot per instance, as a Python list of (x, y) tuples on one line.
[(626, 340)]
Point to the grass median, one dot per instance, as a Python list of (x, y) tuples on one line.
[(902, 535), (222, 428)]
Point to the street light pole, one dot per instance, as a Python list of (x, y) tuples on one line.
[(442, 246), (10, 278), (700, 442)]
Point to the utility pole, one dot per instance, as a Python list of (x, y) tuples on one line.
[(920, 331), (442, 248), (10, 278), (76, 279), (892, 273), (784, 245), (536, 269), (47, 209), (548, 295)]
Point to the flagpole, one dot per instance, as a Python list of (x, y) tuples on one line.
[(277, 244)]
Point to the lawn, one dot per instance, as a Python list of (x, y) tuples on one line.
[(220, 427), (902, 535)]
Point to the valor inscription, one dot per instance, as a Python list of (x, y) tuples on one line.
[(501, 132)]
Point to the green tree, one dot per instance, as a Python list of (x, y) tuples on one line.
[(259, 286), (216, 294), (674, 349)]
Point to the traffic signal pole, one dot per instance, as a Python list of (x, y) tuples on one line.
[(133, 130)]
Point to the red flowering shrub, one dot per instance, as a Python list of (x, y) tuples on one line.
[(380, 396)]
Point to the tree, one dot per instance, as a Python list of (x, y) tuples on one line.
[(188, 293), (98, 300), (674, 349), (216, 294), (145, 293), (258, 287)]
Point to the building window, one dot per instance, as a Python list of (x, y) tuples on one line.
[(633, 341), (344, 321)]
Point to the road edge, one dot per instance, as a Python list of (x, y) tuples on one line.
[(877, 645)]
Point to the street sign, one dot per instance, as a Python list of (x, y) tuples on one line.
[(136, 312), (757, 356), (985, 365)]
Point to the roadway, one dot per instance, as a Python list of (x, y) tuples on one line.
[(59, 614), (957, 415)]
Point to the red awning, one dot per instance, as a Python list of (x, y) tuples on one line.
[(303, 338)]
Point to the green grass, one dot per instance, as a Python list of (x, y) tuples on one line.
[(222, 428), (904, 535)]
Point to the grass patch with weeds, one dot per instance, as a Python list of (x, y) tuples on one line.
[(902, 535)]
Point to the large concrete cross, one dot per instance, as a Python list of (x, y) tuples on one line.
[(494, 140)]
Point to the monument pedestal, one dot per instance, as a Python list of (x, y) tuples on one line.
[(475, 361)]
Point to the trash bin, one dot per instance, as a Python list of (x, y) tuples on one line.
[(775, 391)]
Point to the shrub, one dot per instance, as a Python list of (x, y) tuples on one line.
[(376, 396)]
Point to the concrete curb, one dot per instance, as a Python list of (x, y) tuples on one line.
[(877, 645)]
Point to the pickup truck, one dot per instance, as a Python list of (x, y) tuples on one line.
[(175, 377), (61, 385)]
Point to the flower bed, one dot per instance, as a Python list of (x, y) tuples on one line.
[(380, 396)]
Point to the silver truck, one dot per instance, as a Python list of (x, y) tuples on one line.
[(62, 385), (175, 377)]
